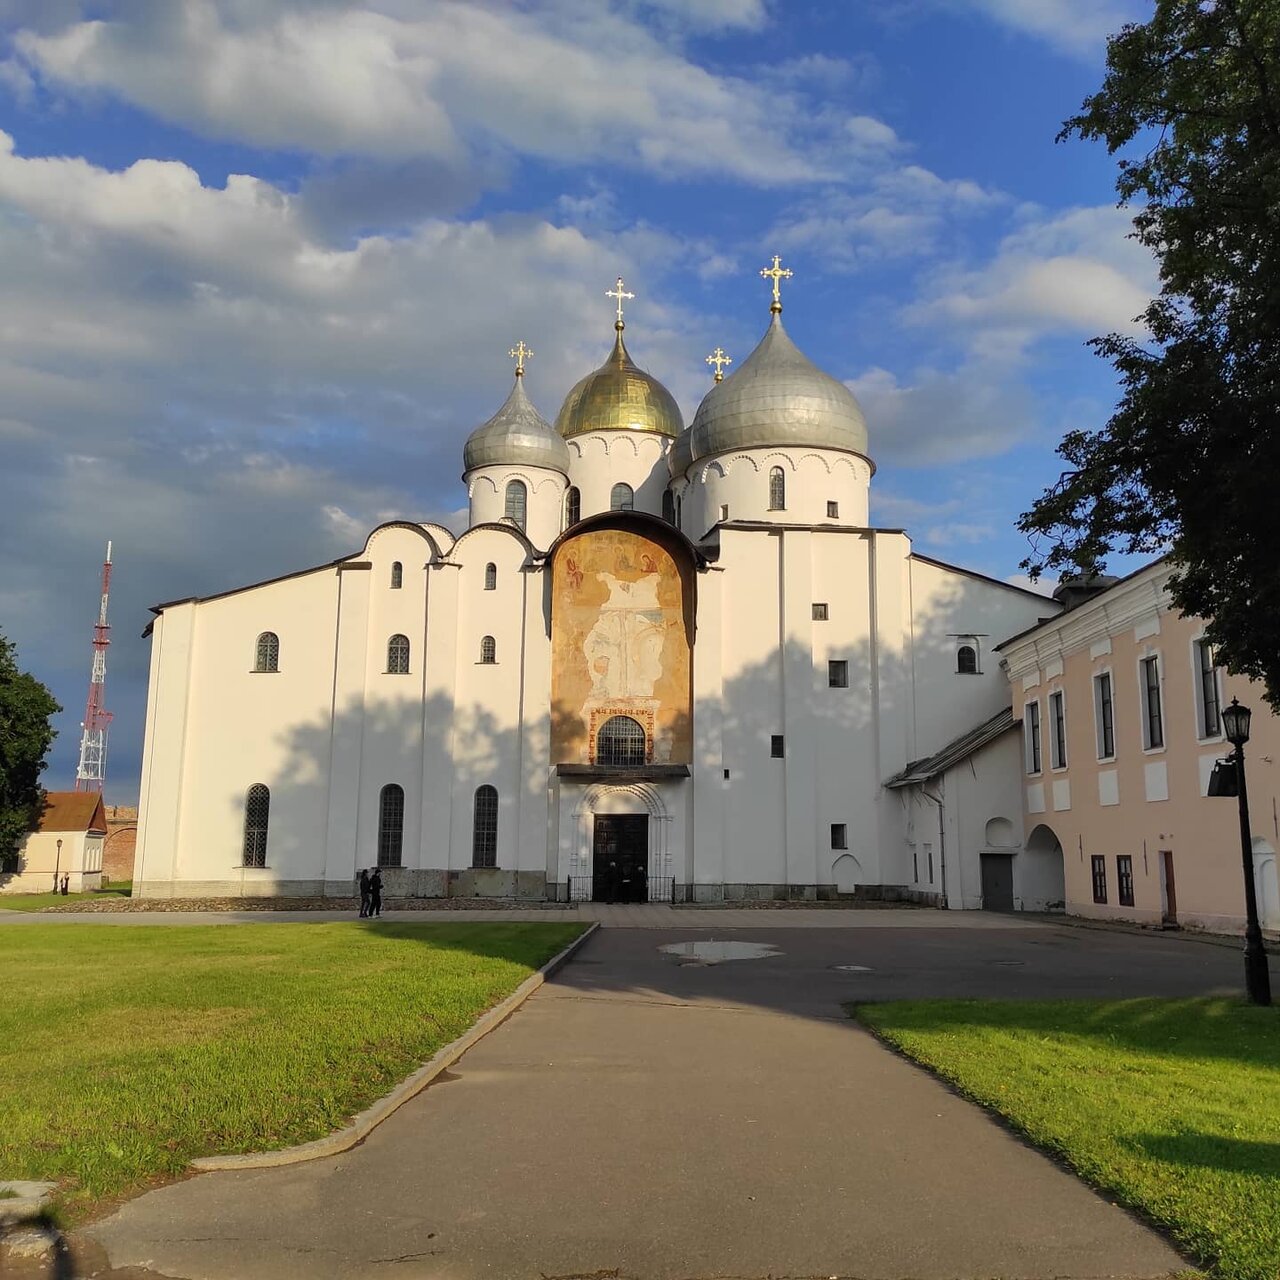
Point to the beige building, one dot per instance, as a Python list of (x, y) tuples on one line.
[(1121, 709), (68, 840)]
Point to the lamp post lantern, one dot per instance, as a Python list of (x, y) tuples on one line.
[(1257, 979)]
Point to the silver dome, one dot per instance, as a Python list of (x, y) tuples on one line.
[(680, 455), (517, 435), (778, 397)]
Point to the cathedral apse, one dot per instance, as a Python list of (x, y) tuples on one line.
[(621, 625)]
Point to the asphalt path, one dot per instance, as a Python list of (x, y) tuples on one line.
[(654, 1113)]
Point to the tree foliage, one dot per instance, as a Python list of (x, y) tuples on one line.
[(1190, 461), (25, 737)]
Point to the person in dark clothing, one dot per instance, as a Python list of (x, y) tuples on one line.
[(375, 893), (364, 893), (66, 885)]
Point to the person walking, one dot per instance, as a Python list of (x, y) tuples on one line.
[(375, 893), (364, 893)]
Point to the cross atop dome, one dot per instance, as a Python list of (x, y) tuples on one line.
[(719, 359), (520, 353), (777, 273), (620, 293)]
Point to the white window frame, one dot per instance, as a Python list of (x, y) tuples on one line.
[(1197, 690), (1058, 754), (1032, 739), (1143, 705), (1098, 676)]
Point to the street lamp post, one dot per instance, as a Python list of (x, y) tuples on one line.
[(1257, 979), (57, 866)]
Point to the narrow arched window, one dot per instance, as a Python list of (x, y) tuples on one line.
[(572, 505), (488, 650), (257, 812), (622, 497), (967, 660), (390, 825), (621, 741), (267, 653), (777, 490), (491, 577), (668, 506), (516, 503), (484, 833), (397, 576), (398, 656)]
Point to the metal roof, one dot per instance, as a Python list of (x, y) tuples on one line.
[(958, 749)]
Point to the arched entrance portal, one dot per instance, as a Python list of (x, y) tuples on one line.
[(1043, 880), (623, 849)]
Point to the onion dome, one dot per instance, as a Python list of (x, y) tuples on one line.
[(517, 435), (779, 398), (680, 455), (619, 396)]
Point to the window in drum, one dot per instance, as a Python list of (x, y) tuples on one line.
[(398, 656), (621, 742), (397, 575), (516, 504), (390, 825), (572, 505), (267, 652), (491, 577), (622, 497), (257, 815), (777, 489), (484, 835)]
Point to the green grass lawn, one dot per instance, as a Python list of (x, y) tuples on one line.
[(38, 901), (1171, 1106), (127, 1051)]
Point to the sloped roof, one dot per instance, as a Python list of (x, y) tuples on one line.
[(958, 749), (73, 811)]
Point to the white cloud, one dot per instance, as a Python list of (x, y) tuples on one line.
[(575, 81), (1077, 27), (1072, 273)]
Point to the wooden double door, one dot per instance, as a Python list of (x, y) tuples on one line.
[(620, 858)]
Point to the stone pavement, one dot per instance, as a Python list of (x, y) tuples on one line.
[(650, 1116)]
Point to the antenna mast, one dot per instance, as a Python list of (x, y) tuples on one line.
[(91, 772)]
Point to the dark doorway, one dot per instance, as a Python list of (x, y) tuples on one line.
[(621, 858), (997, 882), (1168, 892)]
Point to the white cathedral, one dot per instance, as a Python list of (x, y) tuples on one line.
[(660, 663)]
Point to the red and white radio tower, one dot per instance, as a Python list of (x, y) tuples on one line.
[(92, 769)]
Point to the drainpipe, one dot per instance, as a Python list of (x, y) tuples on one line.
[(942, 843)]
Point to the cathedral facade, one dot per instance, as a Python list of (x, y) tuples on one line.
[(662, 662)]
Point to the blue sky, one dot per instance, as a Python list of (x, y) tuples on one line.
[(263, 260)]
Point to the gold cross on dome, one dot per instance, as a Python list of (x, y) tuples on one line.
[(776, 273), (620, 293), (719, 359), (520, 353)]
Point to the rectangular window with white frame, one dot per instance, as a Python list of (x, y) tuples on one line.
[(1031, 732), (1104, 715), (1152, 706), (1058, 729), (1208, 692)]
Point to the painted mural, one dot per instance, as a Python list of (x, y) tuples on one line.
[(621, 621)]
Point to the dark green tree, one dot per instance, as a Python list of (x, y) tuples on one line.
[(1190, 461), (25, 737)]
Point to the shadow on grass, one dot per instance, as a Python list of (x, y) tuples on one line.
[(1209, 1151)]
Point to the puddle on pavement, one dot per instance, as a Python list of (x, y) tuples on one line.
[(709, 951), (852, 968)]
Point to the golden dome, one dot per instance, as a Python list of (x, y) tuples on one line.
[(618, 396)]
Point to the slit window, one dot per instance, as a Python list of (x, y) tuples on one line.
[(484, 831), (1058, 716), (390, 825), (1031, 730), (491, 577), (572, 505), (398, 656), (266, 654), (1104, 714), (397, 576), (257, 815), (668, 506)]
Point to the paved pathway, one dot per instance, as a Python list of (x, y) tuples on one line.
[(647, 1117), (647, 916)]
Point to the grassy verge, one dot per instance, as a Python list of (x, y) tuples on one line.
[(38, 901), (1172, 1106), (125, 1052)]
